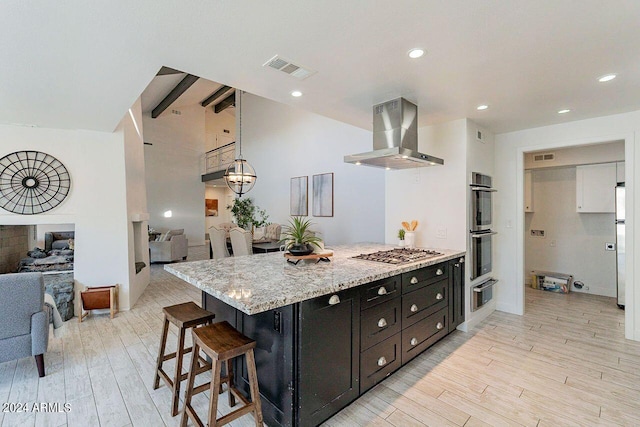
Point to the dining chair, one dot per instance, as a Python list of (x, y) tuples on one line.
[(218, 242), (241, 241)]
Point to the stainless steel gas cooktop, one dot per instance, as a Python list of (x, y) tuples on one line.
[(399, 256)]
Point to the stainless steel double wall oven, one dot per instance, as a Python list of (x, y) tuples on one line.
[(481, 238)]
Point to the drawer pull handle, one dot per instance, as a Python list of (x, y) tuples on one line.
[(439, 326), (414, 341), (335, 299), (439, 296), (382, 323), (461, 260), (414, 280), (439, 272), (413, 308), (382, 290), (456, 265), (382, 361)]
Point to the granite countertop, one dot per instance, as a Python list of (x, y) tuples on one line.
[(262, 282)]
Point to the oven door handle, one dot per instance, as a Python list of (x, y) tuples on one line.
[(486, 285), (488, 190), (479, 235)]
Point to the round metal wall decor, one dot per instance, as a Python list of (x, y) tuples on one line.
[(32, 182)]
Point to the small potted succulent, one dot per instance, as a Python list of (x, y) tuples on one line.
[(401, 237), (297, 237)]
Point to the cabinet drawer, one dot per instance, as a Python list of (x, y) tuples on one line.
[(416, 279), (425, 301), (377, 292), (379, 322), (420, 336), (379, 361)]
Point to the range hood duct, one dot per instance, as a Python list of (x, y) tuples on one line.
[(395, 138)]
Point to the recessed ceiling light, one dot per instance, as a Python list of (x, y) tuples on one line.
[(405, 157), (607, 78), (358, 163), (387, 168), (416, 53), (482, 107), (296, 93), (565, 111)]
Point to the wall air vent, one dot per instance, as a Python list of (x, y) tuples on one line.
[(286, 66), (544, 157)]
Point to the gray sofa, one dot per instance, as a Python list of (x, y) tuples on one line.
[(24, 318), (172, 246), (58, 240)]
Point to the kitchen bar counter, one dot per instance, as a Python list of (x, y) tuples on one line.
[(257, 283), (327, 332)]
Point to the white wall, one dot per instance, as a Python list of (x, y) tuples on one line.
[(173, 171), (96, 203), (435, 196), (509, 179), (137, 224), (573, 243), (282, 142), (590, 154), (215, 127)]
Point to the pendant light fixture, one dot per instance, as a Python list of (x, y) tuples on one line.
[(240, 175)]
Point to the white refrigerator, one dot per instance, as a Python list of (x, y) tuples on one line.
[(620, 246)]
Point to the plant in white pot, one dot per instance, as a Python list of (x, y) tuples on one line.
[(401, 237), (298, 238)]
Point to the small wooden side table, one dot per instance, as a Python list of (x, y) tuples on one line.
[(98, 298)]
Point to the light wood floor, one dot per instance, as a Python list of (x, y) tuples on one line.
[(565, 363)]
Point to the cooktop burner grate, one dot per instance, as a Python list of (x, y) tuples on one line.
[(399, 256)]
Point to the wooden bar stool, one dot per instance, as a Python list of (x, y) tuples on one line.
[(221, 342), (184, 316)]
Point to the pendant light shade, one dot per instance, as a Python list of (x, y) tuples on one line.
[(240, 176)]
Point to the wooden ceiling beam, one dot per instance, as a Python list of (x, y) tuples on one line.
[(215, 95), (175, 93), (225, 103)]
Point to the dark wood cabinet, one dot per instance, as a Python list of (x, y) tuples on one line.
[(417, 279), (425, 301), (329, 355), (379, 323), (315, 357), (456, 292), (379, 361)]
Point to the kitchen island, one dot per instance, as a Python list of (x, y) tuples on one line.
[(327, 332)]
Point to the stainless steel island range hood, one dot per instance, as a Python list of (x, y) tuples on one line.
[(395, 139)]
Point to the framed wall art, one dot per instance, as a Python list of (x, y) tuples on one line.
[(323, 194), (299, 196)]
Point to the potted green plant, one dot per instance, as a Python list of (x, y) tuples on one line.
[(401, 237), (297, 236), (247, 214)]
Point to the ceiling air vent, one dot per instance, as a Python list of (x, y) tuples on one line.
[(544, 157), (286, 66)]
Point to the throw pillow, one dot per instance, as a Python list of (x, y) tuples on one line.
[(259, 233)]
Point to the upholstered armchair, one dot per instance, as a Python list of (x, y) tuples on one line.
[(172, 246), (272, 232), (24, 318)]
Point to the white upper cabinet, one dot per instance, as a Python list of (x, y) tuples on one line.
[(528, 191), (595, 188)]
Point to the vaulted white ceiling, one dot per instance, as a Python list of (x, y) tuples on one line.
[(81, 64)]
